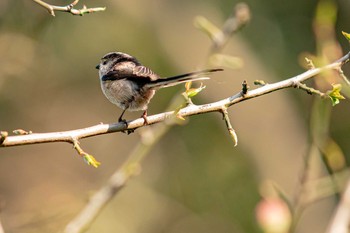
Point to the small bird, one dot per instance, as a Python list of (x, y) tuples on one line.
[(130, 85)]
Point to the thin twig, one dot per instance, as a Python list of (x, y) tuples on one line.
[(310, 63), (230, 129), (299, 201), (342, 75), (69, 8), (89, 159), (309, 90), (237, 20)]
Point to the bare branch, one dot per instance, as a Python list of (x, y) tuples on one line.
[(1, 228), (341, 219), (118, 180), (97, 202), (238, 19), (309, 90), (342, 75), (68, 136), (69, 8)]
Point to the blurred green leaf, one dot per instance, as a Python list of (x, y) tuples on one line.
[(226, 61), (326, 12), (259, 82), (334, 154), (206, 26), (194, 91)]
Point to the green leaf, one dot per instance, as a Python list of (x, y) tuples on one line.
[(226, 61), (194, 91), (21, 132), (259, 83), (335, 94), (346, 35), (206, 26), (90, 160)]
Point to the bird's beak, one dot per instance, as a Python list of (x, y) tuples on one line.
[(98, 67)]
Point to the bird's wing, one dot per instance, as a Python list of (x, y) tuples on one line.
[(112, 76), (137, 73), (145, 72)]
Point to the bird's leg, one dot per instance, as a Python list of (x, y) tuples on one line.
[(121, 118), (144, 116)]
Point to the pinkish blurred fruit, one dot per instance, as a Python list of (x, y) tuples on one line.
[(273, 215)]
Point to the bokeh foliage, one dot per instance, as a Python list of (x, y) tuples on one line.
[(194, 180)]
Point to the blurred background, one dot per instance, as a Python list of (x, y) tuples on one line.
[(194, 180)]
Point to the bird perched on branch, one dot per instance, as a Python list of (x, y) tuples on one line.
[(130, 85)]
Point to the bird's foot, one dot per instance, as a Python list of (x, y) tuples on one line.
[(127, 131), (144, 116)]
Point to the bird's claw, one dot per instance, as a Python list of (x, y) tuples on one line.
[(127, 131)]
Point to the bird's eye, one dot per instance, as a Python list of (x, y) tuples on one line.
[(104, 63)]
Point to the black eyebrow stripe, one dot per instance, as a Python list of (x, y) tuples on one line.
[(108, 56), (123, 59)]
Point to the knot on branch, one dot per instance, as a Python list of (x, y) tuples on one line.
[(245, 87), (309, 63), (260, 83), (70, 7)]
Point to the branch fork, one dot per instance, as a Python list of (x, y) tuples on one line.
[(69, 8)]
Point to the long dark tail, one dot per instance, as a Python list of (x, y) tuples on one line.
[(182, 78)]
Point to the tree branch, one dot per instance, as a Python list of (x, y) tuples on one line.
[(341, 218), (70, 136), (1, 228), (118, 180), (69, 8)]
